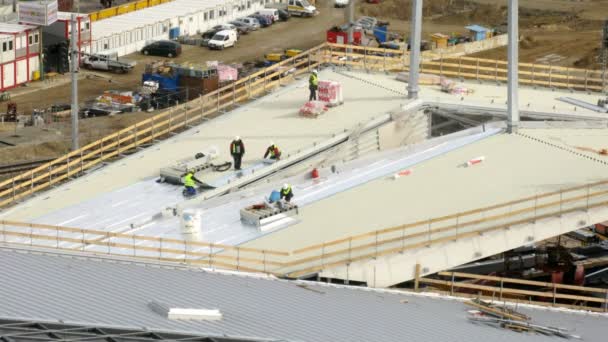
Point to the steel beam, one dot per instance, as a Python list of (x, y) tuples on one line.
[(513, 70), (415, 39)]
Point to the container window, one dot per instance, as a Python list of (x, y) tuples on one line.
[(205, 17), (36, 38), (10, 46), (4, 47), (87, 26), (30, 40)]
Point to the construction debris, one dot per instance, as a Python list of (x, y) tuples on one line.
[(451, 87), (602, 151), (503, 317)]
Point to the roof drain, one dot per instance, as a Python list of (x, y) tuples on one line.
[(190, 314)]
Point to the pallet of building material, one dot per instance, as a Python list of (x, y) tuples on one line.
[(312, 109), (262, 214)]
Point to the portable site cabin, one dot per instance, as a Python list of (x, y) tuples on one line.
[(130, 32), (440, 40), (477, 32), (20, 54)]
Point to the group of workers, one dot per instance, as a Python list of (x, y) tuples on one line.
[(237, 150)]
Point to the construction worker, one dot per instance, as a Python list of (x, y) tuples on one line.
[(189, 183), (313, 84), (286, 192), (273, 151), (237, 150)]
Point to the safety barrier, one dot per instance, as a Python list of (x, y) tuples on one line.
[(480, 69), (314, 259), (518, 291), (176, 119), (125, 8)]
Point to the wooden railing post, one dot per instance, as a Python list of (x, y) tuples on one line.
[(417, 278), (550, 76)]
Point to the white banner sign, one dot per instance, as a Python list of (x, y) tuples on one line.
[(41, 13)]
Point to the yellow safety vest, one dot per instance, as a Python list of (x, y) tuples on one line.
[(313, 80), (189, 180), (286, 191)]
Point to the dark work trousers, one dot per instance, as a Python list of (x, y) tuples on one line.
[(313, 93), (237, 161)]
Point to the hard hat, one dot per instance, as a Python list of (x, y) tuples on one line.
[(285, 186), (271, 143), (237, 138), (314, 71)]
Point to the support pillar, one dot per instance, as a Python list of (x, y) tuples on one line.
[(513, 68), (415, 39), (74, 53), (350, 13)]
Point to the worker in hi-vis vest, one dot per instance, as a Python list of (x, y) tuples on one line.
[(273, 152), (189, 183), (237, 150), (313, 85), (286, 192)]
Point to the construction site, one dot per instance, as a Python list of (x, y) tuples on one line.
[(356, 171)]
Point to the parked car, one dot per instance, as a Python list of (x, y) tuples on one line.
[(284, 15), (223, 39), (264, 20), (107, 62), (241, 27), (167, 48), (272, 12), (252, 22), (226, 27), (340, 3)]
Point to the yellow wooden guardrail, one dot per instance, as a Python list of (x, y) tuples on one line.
[(125, 8)]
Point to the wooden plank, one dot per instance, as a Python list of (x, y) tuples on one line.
[(522, 281)]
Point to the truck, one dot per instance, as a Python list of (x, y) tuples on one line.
[(107, 62), (301, 8)]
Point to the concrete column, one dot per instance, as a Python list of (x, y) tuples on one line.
[(74, 73), (513, 60), (415, 39), (350, 13)]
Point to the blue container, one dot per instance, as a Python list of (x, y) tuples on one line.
[(173, 33), (165, 82), (275, 196), (380, 32)]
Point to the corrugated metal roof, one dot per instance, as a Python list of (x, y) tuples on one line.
[(100, 291)]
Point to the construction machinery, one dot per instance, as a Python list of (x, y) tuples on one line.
[(262, 215)]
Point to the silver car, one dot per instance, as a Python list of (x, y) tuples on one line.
[(253, 22)]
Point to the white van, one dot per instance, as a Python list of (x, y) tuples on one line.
[(271, 12), (301, 8), (222, 40)]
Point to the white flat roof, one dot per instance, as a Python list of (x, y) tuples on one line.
[(273, 117), (128, 21), (514, 167), (15, 28)]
